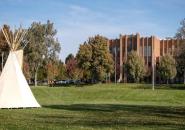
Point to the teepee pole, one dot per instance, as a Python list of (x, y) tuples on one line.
[(21, 38), (2, 56), (14, 40), (17, 34), (6, 37)]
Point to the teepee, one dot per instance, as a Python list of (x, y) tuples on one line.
[(14, 89)]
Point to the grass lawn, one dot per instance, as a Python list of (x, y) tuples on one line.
[(102, 106)]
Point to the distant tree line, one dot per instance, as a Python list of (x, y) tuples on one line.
[(93, 62), (41, 52)]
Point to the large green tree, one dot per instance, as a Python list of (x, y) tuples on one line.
[(180, 51), (42, 46), (135, 66), (180, 59), (94, 58), (167, 67)]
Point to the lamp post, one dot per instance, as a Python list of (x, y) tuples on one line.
[(115, 60), (153, 76), (115, 55), (153, 71)]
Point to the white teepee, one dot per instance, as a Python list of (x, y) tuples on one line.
[(14, 89)]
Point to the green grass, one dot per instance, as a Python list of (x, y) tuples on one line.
[(102, 106)]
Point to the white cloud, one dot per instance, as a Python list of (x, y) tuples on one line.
[(78, 9)]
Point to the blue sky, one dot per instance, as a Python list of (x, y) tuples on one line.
[(76, 20)]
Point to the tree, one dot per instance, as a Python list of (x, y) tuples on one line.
[(167, 67), (42, 46), (62, 71), (135, 66), (72, 69), (180, 59), (3, 44), (70, 56), (84, 60), (4, 48), (52, 71), (180, 51), (26, 70), (36, 48), (181, 31), (94, 58)]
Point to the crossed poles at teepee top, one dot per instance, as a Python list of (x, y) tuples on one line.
[(14, 38)]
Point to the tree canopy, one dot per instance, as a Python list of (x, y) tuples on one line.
[(42, 47), (181, 31), (180, 51), (3, 43), (167, 67), (70, 56), (135, 66), (94, 58)]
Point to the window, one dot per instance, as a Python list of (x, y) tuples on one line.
[(149, 51), (129, 45), (145, 50), (141, 51)]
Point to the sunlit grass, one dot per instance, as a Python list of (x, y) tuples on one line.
[(102, 106)]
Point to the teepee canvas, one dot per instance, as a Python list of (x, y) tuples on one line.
[(14, 89)]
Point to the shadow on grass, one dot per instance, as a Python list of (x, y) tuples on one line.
[(172, 86), (72, 85), (158, 86), (126, 115)]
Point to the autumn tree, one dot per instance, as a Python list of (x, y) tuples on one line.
[(52, 71), (84, 60), (62, 73), (135, 66), (70, 56), (26, 70), (4, 48), (56, 71), (167, 67), (72, 69), (3, 43), (94, 58)]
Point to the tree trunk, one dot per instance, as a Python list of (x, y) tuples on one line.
[(36, 76), (29, 81), (35, 79), (184, 76)]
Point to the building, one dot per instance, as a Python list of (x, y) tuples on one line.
[(150, 48)]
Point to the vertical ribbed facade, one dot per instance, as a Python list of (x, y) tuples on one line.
[(149, 48)]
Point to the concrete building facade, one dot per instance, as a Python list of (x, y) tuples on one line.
[(149, 48)]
